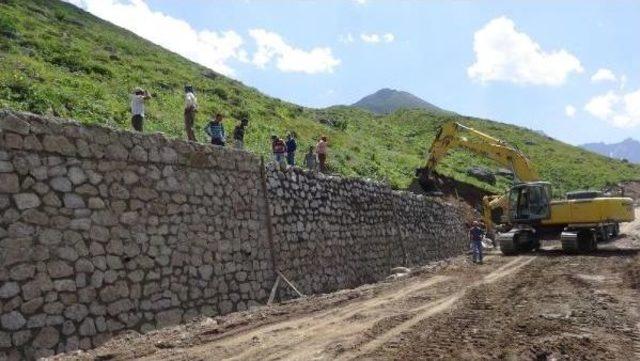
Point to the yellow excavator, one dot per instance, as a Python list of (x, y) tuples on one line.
[(526, 209)]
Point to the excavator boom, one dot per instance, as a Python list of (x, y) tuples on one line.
[(452, 135), (455, 135)]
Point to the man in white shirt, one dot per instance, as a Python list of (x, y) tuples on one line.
[(137, 108), (190, 109)]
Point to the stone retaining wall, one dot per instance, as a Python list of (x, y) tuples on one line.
[(104, 230), (332, 233)]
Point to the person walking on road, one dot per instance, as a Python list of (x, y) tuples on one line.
[(291, 149), (321, 150), (279, 149), (138, 99), (190, 109), (215, 129), (238, 133), (475, 237), (310, 160)]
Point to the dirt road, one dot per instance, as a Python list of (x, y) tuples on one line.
[(541, 306)]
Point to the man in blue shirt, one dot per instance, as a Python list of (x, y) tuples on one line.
[(215, 129), (475, 236)]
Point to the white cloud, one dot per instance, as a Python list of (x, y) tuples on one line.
[(213, 49), (570, 111), (603, 74), (346, 39), (623, 81), (375, 38), (505, 54), (370, 38), (360, 2), (621, 110), (289, 59), (210, 48)]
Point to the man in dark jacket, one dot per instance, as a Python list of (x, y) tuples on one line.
[(291, 149), (238, 134), (475, 237)]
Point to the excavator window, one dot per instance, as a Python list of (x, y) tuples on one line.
[(529, 202)]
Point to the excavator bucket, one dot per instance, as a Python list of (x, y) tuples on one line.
[(428, 180)]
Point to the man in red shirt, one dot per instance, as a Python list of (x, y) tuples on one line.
[(279, 149)]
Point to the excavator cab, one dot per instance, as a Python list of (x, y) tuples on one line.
[(530, 202)]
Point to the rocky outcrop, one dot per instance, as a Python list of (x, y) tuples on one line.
[(104, 230)]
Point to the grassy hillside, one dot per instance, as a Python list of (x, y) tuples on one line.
[(57, 59)]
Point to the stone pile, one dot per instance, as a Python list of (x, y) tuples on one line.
[(104, 230)]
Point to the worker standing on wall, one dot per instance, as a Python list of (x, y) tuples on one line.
[(321, 150), (190, 109), (215, 129), (279, 149), (238, 133), (292, 146), (310, 160), (475, 237), (138, 99)]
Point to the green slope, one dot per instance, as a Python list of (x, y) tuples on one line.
[(56, 59)]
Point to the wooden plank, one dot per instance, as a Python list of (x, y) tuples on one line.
[(272, 295), (290, 284)]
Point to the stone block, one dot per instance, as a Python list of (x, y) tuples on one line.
[(46, 338), (76, 312), (168, 318), (73, 201), (13, 123), (87, 327), (60, 184), (26, 200), (9, 289), (12, 321), (22, 272), (59, 269)]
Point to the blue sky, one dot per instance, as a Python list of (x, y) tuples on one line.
[(569, 68)]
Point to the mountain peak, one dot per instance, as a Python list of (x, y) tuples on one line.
[(386, 100)]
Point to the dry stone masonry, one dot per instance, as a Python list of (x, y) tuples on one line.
[(104, 230)]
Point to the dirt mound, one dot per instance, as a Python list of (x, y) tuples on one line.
[(437, 183), (631, 189), (631, 274)]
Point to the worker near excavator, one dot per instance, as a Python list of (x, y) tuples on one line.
[(475, 237)]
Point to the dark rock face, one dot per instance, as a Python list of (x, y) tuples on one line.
[(482, 174)]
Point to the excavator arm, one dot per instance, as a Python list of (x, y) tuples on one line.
[(454, 135)]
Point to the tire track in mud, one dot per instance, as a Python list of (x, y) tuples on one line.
[(560, 308), (433, 308), (306, 340), (314, 336), (285, 331)]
